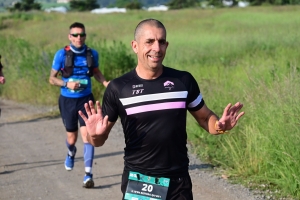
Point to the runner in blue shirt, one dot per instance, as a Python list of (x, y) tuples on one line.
[(152, 103), (77, 63)]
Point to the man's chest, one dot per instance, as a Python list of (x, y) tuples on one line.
[(148, 96)]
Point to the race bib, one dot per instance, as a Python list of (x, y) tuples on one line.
[(142, 187)]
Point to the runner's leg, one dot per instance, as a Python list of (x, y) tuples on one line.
[(88, 151), (68, 111), (88, 148), (180, 189)]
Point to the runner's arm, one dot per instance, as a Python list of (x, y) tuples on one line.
[(98, 127), (99, 77), (99, 140), (53, 80), (206, 119)]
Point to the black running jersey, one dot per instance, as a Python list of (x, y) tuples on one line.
[(153, 115)]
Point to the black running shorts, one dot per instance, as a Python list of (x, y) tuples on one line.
[(69, 108)]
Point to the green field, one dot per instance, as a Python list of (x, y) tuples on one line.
[(238, 54)]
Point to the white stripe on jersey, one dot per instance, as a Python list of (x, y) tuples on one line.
[(154, 107), (153, 97), (195, 102)]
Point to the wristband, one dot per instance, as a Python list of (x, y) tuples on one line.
[(65, 84), (218, 130)]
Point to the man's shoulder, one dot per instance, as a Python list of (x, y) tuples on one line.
[(60, 54), (122, 80), (93, 51), (175, 72), (61, 50), (91, 48)]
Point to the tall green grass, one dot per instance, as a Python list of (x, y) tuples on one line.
[(248, 55), (27, 69)]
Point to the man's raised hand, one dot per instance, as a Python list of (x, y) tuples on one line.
[(95, 123), (230, 116)]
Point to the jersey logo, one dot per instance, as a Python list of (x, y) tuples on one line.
[(140, 91), (137, 91), (137, 86), (169, 85)]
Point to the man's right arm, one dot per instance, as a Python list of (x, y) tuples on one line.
[(99, 140), (56, 66), (53, 80), (98, 127)]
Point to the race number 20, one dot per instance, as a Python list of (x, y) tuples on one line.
[(143, 187)]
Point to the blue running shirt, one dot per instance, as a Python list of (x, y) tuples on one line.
[(79, 73)]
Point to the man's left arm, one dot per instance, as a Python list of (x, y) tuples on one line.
[(208, 120), (99, 77)]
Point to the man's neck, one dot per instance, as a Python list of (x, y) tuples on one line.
[(148, 74), (78, 50)]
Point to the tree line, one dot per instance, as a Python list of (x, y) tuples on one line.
[(87, 5)]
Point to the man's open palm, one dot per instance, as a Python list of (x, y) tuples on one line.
[(230, 116), (95, 123)]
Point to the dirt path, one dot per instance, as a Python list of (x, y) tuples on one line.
[(32, 153)]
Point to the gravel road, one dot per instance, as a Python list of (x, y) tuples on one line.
[(32, 153)]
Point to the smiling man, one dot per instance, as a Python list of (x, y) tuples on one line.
[(76, 63), (152, 103)]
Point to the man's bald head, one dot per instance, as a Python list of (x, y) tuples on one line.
[(150, 22)]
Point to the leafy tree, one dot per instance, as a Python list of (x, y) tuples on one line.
[(218, 3), (123, 3), (179, 4), (274, 2), (128, 4), (133, 5), (84, 5), (119, 4), (25, 5)]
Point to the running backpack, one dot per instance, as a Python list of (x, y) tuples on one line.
[(67, 71)]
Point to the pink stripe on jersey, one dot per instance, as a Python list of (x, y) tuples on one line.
[(153, 107)]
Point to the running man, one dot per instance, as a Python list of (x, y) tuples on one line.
[(152, 102), (77, 63)]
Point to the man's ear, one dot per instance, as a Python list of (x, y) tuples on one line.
[(134, 46)]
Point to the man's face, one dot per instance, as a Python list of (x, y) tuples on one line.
[(77, 37), (150, 47)]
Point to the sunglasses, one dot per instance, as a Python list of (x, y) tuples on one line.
[(76, 34)]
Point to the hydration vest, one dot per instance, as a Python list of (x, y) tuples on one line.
[(67, 71)]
